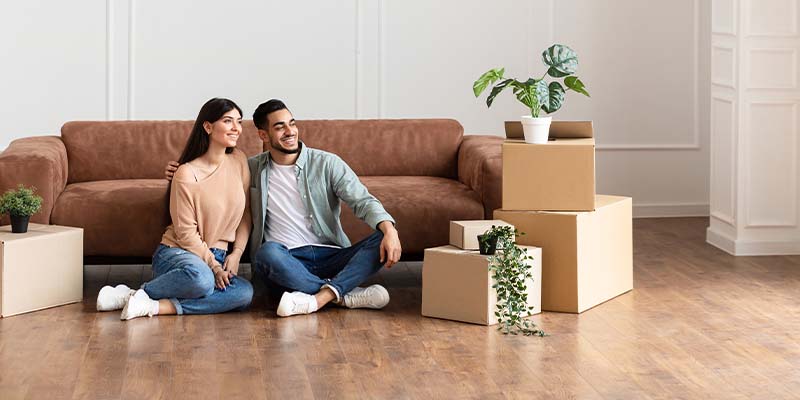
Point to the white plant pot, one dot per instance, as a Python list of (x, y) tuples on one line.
[(536, 130)]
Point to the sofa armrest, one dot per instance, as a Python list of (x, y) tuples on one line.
[(480, 166), (35, 161)]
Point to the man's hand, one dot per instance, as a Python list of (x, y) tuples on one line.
[(169, 171), (390, 245)]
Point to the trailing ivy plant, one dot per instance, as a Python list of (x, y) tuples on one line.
[(511, 274), (537, 94)]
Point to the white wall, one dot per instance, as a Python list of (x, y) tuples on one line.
[(645, 63)]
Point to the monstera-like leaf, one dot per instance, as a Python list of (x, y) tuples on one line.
[(555, 98), (561, 59), (496, 90), (575, 84), (490, 77)]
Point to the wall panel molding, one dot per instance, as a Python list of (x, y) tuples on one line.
[(787, 188), (768, 68)]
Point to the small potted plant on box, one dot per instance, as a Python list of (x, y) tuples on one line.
[(537, 94), (20, 204), (511, 274), (487, 242)]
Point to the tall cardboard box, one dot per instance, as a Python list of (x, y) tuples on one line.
[(587, 256), (457, 285), (40, 268), (556, 176), (464, 234)]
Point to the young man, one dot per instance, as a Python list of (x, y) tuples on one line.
[(297, 240)]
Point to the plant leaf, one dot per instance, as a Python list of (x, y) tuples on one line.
[(576, 84), (562, 60), (554, 99), (496, 90), (488, 78)]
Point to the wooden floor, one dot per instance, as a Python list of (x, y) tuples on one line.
[(699, 324)]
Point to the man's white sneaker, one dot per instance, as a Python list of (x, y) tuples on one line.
[(113, 298), (139, 305), (295, 303), (374, 296)]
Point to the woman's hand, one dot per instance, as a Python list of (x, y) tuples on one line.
[(221, 277), (232, 262)]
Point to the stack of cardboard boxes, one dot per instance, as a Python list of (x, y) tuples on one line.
[(586, 239), (581, 242)]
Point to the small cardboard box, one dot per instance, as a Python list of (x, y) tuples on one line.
[(40, 268), (457, 285), (556, 176), (587, 256), (464, 234)]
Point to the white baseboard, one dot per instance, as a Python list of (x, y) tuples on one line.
[(670, 210), (751, 248)]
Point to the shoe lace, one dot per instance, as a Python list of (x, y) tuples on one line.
[(300, 308), (362, 297)]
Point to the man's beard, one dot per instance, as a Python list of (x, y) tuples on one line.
[(279, 147)]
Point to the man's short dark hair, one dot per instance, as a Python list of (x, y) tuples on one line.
[(264, 109)]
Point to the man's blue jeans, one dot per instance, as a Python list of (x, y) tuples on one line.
[(187, 281), (307, 268)]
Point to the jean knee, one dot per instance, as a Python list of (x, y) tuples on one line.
[(270, 256), (244, 293), (201, 282), (270, 252)]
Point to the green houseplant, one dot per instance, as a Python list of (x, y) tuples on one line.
[(537, 94), (511, 274), (20, 204)]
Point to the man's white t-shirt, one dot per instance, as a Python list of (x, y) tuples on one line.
[(288, 220)]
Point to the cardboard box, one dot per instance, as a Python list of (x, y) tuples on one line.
[(457, 285), (464, 234), (587, 256), (40, 268), (557, 176)]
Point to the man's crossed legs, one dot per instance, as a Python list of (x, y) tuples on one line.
[(320, 274)]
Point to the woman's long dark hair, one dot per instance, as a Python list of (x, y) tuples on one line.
[(198, 142)]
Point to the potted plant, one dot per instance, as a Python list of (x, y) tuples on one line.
[(537, 94), (20, 204), (487, 242), (511, 275)]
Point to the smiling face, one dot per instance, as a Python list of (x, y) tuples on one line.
[(225, 131), (281, 132)]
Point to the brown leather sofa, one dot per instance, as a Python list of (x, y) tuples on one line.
[(108, 177)]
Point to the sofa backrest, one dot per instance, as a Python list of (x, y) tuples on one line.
[(108, 150), (412, 147)]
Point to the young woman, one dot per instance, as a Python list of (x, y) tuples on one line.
[(196, 265)]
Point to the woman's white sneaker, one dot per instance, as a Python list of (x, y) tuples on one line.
[(139, 305), (113, 298), (375, 296)]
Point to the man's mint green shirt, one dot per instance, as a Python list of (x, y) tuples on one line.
[(324, 180)]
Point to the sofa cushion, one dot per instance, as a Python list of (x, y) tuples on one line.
[(106, 150), (412, 147), (420, 204), (120, 218)]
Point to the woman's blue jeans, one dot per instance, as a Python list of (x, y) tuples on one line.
[(187, 281)]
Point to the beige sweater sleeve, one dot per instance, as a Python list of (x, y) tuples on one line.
[(184, 223)]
